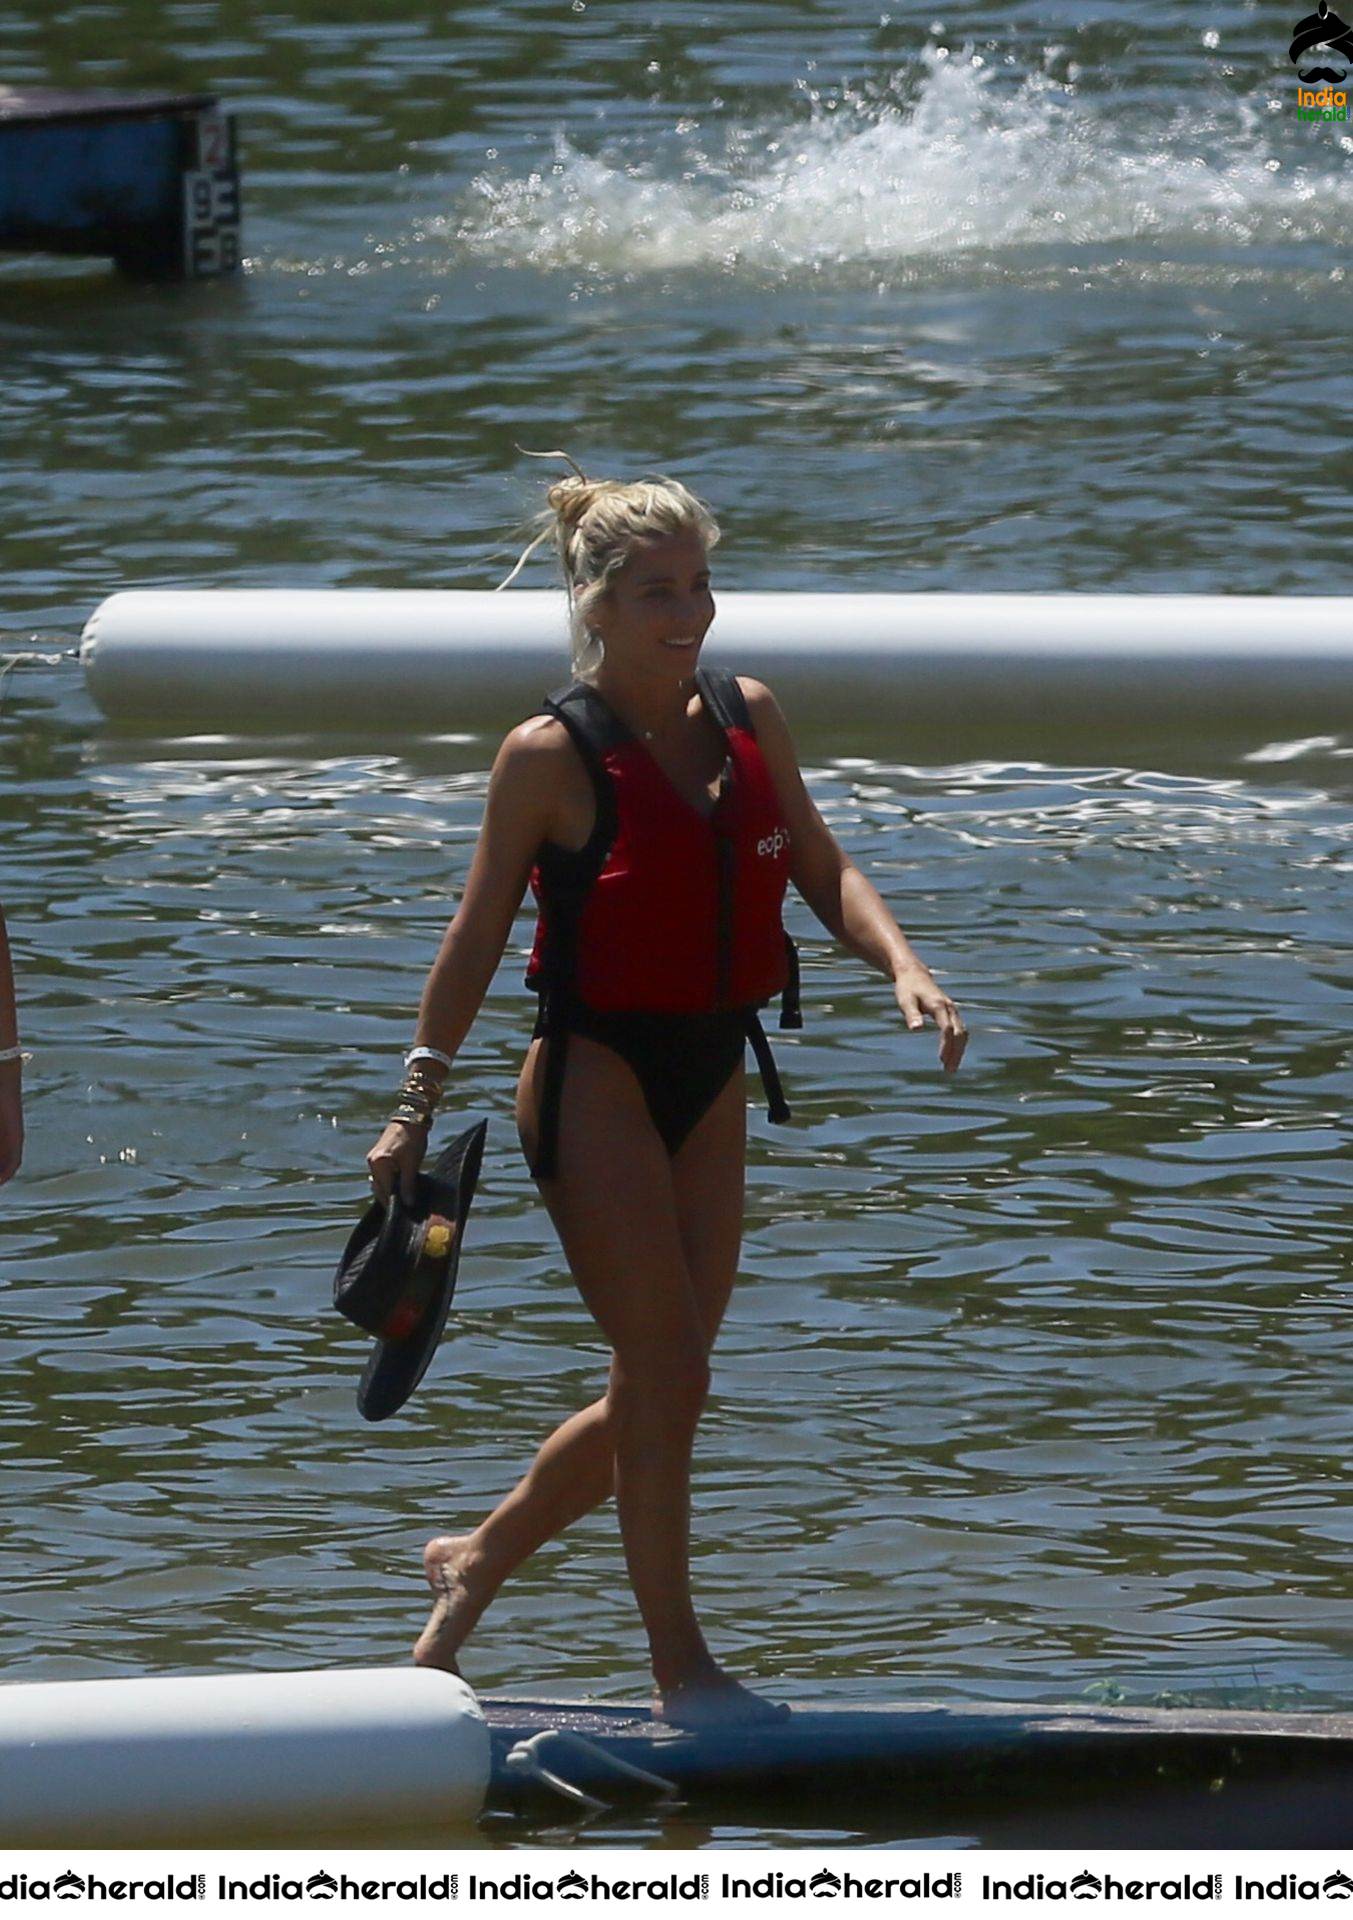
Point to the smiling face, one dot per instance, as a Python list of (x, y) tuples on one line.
[(658, 608)]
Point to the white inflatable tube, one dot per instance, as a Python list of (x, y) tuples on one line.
[(415, 659), (239, 1756)]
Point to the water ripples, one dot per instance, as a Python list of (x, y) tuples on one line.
[(1032, 1382), (1035, 1381)]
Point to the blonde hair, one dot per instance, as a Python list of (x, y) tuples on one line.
[(596, 525)]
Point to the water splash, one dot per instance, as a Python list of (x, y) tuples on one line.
[(959, 159)]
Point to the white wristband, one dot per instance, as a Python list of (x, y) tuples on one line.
[(10, 1053), (428, 1053)]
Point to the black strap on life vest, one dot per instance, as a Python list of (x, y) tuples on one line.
[(569, 877), (725, 699), (567, 880)]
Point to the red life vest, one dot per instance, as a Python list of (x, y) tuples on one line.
[(665, 910)]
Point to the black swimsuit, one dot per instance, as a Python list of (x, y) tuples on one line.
[(682, 1061)]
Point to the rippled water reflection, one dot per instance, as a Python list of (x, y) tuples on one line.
[(1034, 1382)]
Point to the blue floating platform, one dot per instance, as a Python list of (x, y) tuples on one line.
[(148, 180), (1006, 1775)]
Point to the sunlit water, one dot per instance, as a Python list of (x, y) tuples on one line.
[(1036, 1381)]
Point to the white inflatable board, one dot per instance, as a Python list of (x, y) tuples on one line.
[(153, 1761), (400, 660)]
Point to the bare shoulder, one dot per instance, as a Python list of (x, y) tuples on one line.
[(538, 782), (758, 696), (542, 732), (768, 722), (537, 751)]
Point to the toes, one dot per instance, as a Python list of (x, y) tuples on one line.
[(696, 1709), (425, 1654)]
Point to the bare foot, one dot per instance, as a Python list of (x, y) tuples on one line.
[(447, 1562), (716, 1701)]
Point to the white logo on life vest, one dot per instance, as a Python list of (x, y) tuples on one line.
[(774, 843)]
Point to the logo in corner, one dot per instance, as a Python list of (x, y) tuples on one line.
[(1321, 39), (1321, 29)]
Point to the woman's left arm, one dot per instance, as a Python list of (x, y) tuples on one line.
[(839, 894)]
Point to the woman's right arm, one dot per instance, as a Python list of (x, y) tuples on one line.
[(518, 814)]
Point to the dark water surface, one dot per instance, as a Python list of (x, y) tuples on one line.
[(1036, 1383)]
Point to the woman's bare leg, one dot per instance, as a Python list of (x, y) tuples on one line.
[(572, 1473), (709, 1184), (637, 1228), (614, 1209)]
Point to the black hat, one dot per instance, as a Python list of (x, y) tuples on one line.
[(398, 1273)]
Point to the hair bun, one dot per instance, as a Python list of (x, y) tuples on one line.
[(595, 524), (571, 497)]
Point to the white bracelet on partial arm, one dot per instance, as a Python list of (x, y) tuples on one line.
[(428, 1053)]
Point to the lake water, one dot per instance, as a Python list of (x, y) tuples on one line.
[(1036, 1383)]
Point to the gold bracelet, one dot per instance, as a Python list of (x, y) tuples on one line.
[(414, 1104)]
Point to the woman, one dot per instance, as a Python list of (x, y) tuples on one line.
[(643, 809)]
